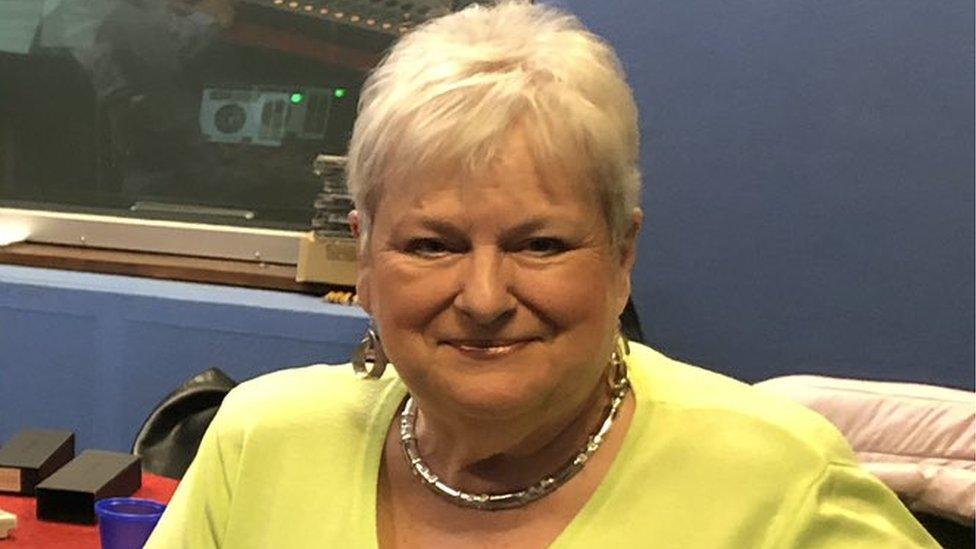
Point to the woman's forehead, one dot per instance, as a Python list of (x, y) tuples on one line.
[(502, 202), (513, 180), (517, 165)]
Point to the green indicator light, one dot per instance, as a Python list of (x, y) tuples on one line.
[(296, 98), (339, 93)]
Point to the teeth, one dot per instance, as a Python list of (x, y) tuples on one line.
[(486, 348)]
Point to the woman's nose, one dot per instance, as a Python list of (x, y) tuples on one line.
[(485, 294)]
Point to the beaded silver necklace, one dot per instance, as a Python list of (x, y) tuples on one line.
[(619, 387)]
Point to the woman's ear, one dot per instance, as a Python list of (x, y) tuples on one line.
[(353, 218), (628, 256), (628, 244), (362, 261)]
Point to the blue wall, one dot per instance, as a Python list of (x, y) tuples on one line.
[(95, 353), (809, 182)]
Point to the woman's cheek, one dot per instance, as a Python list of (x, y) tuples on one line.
[(411, 295), (570, 294)]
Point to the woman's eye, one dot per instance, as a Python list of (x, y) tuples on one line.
[(427, 247), (545, 246)]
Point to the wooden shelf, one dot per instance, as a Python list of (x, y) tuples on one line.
[(163, 266)]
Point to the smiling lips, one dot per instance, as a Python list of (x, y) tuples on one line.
[(487, 349)]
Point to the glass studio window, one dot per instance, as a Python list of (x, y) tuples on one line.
[(199, 111)]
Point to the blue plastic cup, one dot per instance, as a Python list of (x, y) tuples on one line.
[(125, 523)]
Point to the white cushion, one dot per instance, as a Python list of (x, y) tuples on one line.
[(920, 440)]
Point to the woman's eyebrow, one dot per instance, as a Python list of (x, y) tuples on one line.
[(447, 228), (530, 226), (432, 224)]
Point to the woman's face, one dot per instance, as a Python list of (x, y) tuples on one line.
[(496, 295)]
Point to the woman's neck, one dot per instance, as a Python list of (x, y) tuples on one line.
[(480, 455)]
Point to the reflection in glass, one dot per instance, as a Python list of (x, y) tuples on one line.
[(198, 110)]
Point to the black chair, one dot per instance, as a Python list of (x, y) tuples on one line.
[(170, 436), (949, 534)]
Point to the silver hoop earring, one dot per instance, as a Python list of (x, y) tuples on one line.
[(368, 359), (617, 372)]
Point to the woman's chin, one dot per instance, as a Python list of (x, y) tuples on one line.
[(493, 399)]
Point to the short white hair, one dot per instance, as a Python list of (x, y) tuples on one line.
[(450, 92)]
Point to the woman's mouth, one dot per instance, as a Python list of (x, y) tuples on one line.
[(486, 349)]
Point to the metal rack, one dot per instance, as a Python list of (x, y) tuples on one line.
[(391, 17)]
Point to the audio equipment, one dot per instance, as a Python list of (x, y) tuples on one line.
[(391, 17)]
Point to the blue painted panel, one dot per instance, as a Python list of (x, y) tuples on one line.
[(47, 371), (95, 353)]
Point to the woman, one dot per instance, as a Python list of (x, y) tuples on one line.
[(494, 168)]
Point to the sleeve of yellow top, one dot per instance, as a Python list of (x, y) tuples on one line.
[(197, 515), (849, 508)]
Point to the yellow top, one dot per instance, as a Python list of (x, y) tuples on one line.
[(291, 460)]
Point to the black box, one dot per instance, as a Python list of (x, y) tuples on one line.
[(31, 456), (69, 495)]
